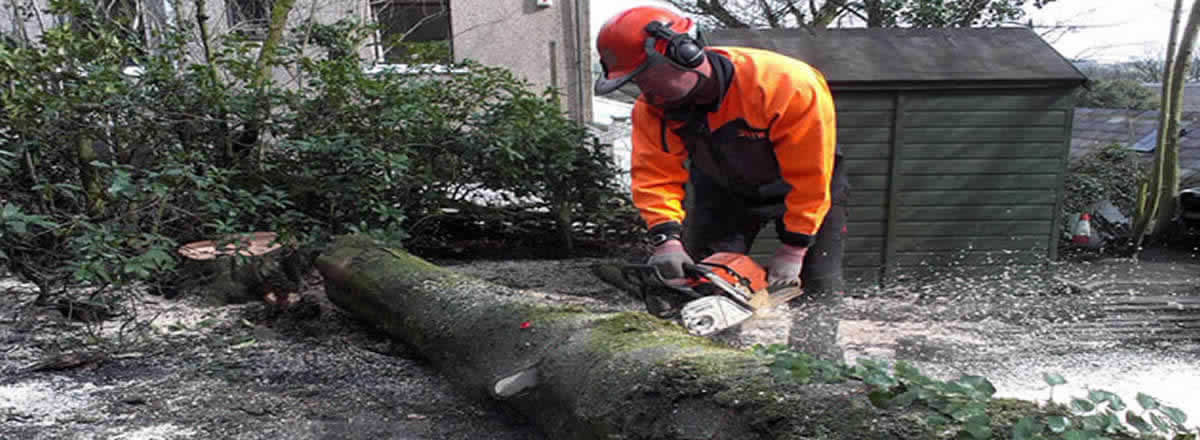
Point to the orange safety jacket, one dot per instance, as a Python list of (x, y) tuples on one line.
[(775, 121)]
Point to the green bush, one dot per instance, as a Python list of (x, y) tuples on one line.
[(1110, 173), (103, 174)]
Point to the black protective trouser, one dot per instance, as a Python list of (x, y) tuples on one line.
[(720, 220)]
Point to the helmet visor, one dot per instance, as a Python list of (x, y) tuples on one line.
[(667, 84), (655, 64)]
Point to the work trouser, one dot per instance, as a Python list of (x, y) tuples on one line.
[(721, 220)]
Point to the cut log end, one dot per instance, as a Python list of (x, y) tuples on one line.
[(516, 383), (244, 267), (250, 245)]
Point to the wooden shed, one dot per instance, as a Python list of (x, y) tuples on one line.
[(956, 142)]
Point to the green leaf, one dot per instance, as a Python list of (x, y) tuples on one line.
[(1094, 422), (937, 420), (880, 398), (1112, 423), (1058, 424), (904, 399), (969, 411), (1053, 379), (1081, 405), (980, 384), (1160, 423), (1100, 396), (1175, 414), (980, 427), (1146, 401), (1076, 434), (1025, 429), (10, 210), (879, 379), (1138, 422), (18, 227)]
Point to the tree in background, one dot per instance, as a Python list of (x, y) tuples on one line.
[(875, 13), (1157, 204), (1120, 93)]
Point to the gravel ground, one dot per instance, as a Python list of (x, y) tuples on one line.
[(230, 372), (248, 372)]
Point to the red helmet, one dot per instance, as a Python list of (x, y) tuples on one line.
[(628, 41)]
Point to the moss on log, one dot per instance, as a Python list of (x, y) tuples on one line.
[(581, 375)]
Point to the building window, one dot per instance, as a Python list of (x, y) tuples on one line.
[(249, 18), (413, 31)]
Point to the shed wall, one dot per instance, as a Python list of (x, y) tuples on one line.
[(967, 178)]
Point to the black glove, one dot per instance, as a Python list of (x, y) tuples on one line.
[(669, 257)]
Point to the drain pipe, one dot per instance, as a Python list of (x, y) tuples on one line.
[(582, 64)]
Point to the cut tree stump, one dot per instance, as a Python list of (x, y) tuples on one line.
[(248, 267), (582, 375)]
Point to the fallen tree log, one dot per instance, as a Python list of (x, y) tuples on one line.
[(581, 375)]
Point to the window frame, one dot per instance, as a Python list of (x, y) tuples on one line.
[(379, 52)]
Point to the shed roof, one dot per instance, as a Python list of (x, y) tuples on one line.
[(876, 55)]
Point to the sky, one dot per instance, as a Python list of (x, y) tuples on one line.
[(1102, 30)]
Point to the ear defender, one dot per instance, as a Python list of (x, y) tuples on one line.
[(681, 48)]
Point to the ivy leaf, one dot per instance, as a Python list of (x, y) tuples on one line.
[(1100, 396), (1094, 422), (879, 379), (880, 398), (937, 420), (1025, 429), (980, 384), (18, 227), (1175, 414), (1081, 405), (1053, 379), (904, 399), (1159, 423), (1076, 434), (1146, 401), (1058, 424), (979, 427), (1112, 423), (1138, 422)]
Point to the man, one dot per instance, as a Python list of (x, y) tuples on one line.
[(759, 131)]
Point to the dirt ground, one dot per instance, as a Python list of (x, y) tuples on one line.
[(249, 372)]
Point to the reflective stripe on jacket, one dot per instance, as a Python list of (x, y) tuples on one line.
[(775, 123)]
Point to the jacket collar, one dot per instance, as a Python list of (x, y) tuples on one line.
[(723, 70)]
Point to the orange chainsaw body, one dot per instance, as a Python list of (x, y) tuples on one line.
[(738, 269)]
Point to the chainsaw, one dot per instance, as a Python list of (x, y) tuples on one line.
[(720, 292)]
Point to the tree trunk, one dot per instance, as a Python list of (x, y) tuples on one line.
[(876, 14), (1149, 209), (1169, 185), (249, 140), (562, 219), (580, 375), (89, 177), (256, 269)]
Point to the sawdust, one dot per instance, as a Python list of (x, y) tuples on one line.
[(166, 431), (46, 402)]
